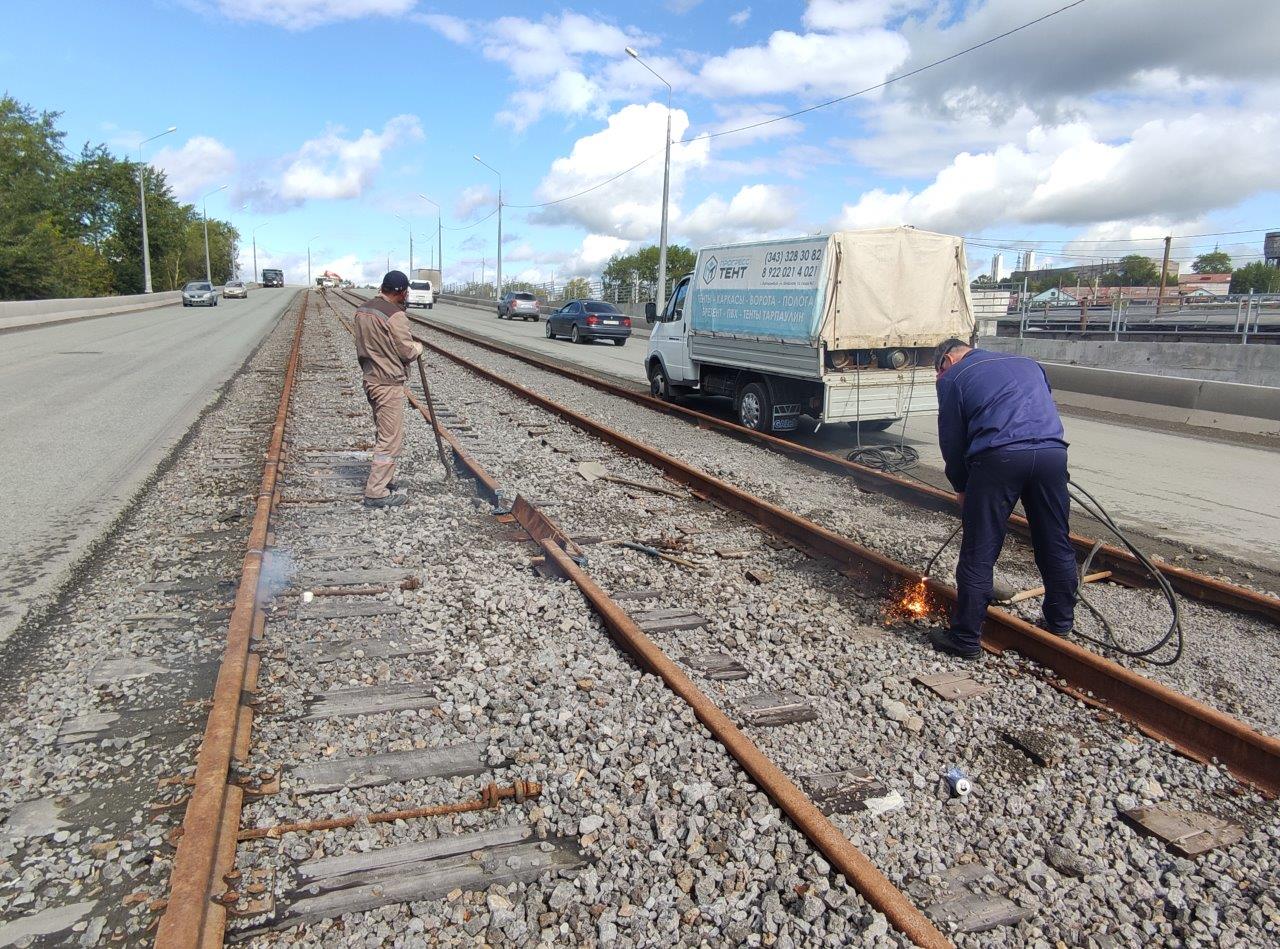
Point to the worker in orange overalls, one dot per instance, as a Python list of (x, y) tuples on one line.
[(385, 347)]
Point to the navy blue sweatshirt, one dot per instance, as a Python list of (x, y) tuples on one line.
[(994, 400)]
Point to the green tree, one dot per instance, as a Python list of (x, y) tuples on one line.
[(625, 271), (1259, 276), (1216, 261), (71, 227), (576, 289), (1139, 271)]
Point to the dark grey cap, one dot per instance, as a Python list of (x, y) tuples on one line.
[(394, 282)]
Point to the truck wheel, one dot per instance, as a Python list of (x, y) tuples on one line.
[(659, 384), (754, 408), (878, 425)]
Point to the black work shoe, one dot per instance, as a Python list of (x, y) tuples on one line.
[(1064, 634), (391, 500), (943, 642), (393, 487)]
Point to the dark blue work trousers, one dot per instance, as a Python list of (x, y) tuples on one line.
[(996, 481)]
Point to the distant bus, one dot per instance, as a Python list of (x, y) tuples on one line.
[(273, 278)]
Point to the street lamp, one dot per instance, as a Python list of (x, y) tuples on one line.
[(254, 235), (498, 285), (314, 237), (409, 224), (235, 258), (142, 194), (666, 189), (204, 211), (439, 236)]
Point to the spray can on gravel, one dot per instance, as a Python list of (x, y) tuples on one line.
[(958, 782)]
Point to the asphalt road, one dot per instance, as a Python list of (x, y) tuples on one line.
[(87, 412), (1180, 487)]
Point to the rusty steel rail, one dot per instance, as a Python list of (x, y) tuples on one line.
[(1124, 566), (206, 849), (816, 826), (1191, 726)]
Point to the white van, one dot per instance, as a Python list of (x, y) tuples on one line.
[(421, 293)]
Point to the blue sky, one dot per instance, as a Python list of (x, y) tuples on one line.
[(1093, 134)]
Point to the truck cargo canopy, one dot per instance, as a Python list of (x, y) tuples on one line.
[(897, 286)]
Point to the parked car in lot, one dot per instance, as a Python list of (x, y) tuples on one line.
[(586, 320), (235, 288), (421, 293), (199, 293), (518, 305)]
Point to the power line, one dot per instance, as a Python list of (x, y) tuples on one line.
[(466, 227), (893, 79), (570, 197)]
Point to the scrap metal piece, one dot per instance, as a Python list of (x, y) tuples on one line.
[(1189, 833)]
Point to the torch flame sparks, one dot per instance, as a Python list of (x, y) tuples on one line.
[(915, 602)]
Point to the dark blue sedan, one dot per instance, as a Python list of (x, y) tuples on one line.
[(585, 320)]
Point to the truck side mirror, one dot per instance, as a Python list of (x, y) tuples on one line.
[(650, 312)]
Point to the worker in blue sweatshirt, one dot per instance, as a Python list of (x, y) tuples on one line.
[(1001, 440)]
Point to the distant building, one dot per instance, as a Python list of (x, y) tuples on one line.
[(1204, 284), (1055, 296), (1271, 248), (997, 268), (1027, 261), (1084, 273)]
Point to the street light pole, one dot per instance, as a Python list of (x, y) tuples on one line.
[(254, 235), (235, 258), (204, 212), (439, 236), (498, 284), (315, 237), (142, 196), (409, 224), (666, 190)]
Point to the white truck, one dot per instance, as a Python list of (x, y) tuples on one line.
[(423, 287), (839, 327)]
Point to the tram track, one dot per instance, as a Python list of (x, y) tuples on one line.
[(485, 444)]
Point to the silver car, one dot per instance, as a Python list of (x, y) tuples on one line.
[(235, 288), (518, 305), (199, 293)]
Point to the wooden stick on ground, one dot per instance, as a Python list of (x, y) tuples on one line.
[(1039, 591)]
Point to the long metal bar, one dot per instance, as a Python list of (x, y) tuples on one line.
[(191, 918), (426, 394), (1123, 564), (874, 886), (1185, 723)]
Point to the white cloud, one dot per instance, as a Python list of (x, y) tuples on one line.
[(754, 213), (1067, 175), (472, 199), (810, 64), (450, 27), (331, 166), (631, 207), (848, 15), (741, 17), (566, 63), (742, 116), (303, 14), (589, 259), (201, 164)]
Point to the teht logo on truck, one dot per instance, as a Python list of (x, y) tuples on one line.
[(730, 269)]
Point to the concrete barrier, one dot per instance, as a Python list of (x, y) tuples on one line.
[(28, 314), (1249, 363)]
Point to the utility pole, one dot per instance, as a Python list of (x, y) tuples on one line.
[(204, 212), (666, 189), (309, 259), (409, 224), (142, 197), (498, 280), (1164, 273), (254, 234), (439, 237)]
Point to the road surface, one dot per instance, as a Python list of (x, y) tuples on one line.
[(87, 412)]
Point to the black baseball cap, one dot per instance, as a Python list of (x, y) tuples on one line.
[(394, 282)]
